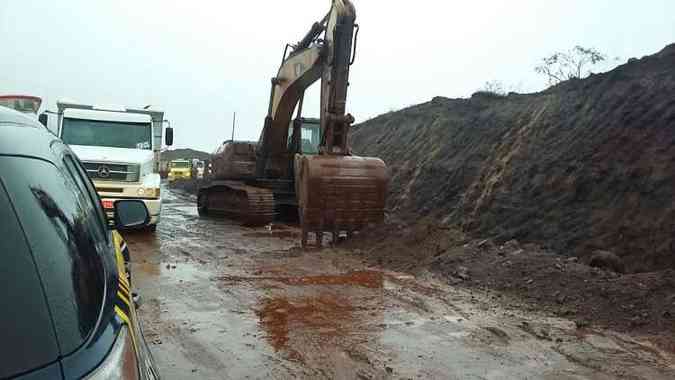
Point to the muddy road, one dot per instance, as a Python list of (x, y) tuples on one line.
[(220, 301)]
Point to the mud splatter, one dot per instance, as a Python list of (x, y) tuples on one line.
[(367, 279)]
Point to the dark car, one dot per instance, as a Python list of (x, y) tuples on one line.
[(68, 310)]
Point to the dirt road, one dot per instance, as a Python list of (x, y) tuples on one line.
[(220, 301)]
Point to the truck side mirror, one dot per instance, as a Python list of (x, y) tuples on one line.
[(168, 137), (131, 214), (44, 119)]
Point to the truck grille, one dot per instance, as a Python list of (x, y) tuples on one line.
[(112, 172)]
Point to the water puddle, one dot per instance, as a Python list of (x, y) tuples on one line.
[(167, 272), (319, 320)]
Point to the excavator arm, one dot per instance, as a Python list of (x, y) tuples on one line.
[(341, 32)]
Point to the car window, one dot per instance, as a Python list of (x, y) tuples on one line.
[(27, 338), (64, 245), (92, 202)]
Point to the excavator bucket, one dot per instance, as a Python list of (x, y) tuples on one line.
[(339, 194)]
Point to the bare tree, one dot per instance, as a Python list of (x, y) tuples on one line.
[(494, 87), (574, 63)]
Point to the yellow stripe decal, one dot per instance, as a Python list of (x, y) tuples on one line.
[(132, 332), (122, 315), (123, 279), (123, 298), (124, 288)]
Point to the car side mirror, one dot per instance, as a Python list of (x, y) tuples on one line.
[(130, 214), (168, 137), (44, 119)]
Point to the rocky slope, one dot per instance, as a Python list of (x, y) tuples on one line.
[(585, 165)]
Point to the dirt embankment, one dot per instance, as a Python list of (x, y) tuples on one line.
[(529, 277), (585, 165)]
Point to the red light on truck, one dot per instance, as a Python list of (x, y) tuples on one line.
[(108, 204)]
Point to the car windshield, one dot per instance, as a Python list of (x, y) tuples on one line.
[(107, 133)]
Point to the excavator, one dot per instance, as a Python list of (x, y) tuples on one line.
[(303, 164)]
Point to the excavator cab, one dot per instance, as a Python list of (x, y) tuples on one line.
[(309, 138)]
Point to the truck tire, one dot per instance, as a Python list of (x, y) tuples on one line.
[(152, 228), (202, 204)]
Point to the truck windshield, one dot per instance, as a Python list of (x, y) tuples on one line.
[(107, 133), (180, 165)]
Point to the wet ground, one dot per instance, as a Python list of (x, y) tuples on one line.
[(221, 301)]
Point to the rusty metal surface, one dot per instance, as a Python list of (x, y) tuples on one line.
[(234, 160), (247, 204), (340, 193)]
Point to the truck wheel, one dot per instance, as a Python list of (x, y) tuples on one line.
[(202, 204)]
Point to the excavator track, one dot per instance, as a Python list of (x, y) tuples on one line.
[(234, 199)]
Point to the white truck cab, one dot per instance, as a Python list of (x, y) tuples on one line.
[(120, 149)]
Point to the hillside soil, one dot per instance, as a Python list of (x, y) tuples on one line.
[(586, 165)]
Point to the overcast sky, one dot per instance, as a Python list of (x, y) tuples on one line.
[(202, 60)]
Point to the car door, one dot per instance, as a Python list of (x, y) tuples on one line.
[(65, 250), (27, 338), (113, 251)]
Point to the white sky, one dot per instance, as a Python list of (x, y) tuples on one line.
[(202, 60)]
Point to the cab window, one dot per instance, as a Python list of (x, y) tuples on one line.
[(63, 242)]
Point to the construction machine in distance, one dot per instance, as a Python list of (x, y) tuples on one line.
[(308, 166)]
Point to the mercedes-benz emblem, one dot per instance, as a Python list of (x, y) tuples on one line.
[(103, 172)]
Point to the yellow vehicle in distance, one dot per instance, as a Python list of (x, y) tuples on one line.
[(180, 170)]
